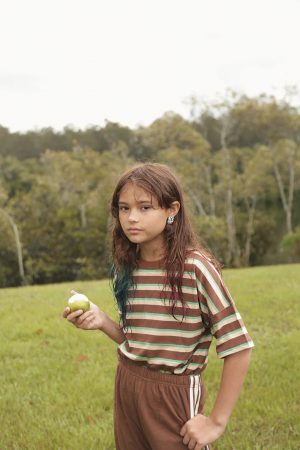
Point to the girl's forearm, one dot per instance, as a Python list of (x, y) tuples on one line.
[(112, 330), (233, 375)]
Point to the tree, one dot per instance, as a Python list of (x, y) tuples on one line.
[(253, 182), (285, 155), (7, 216)]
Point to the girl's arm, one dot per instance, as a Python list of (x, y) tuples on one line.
[(233, 375), (95, 319), (112, 330), (202, 430)]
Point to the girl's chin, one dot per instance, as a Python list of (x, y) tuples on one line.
[(135, 239)]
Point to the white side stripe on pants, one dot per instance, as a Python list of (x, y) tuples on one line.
[(195, 395)]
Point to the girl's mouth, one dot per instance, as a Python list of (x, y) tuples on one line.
[(134, 230)]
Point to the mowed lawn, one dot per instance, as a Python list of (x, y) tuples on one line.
[(56, 382)]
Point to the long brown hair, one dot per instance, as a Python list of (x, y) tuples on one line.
[(159, 181)]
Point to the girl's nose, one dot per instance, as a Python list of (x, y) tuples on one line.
[(133, 217)]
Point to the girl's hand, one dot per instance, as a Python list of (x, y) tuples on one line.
[(90, 320), (200, 431)]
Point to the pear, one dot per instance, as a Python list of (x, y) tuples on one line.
[(79, 301)]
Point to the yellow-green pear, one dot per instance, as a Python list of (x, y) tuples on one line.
[(79, 301)]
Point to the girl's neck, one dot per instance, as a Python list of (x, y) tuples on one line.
[(151, 253)]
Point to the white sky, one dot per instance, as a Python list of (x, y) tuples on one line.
[(79, 62)]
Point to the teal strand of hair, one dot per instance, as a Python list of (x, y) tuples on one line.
[(121, 281)]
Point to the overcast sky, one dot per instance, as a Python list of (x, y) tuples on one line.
[(80, 62)]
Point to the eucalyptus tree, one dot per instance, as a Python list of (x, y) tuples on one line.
[(285, 156), (11, 234), (253, 184), (15, 177), (275, 124)]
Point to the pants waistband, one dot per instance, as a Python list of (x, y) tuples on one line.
[(149, 374)]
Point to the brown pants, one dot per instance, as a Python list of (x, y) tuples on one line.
[(151, 407)]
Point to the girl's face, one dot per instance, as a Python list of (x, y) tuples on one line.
[(142, 219)]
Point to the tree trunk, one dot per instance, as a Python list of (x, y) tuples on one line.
[(286, 200), (250, 228), (19, 250), (83, 220), (212, 203), (17, 242), (233, 253), (196, 199)]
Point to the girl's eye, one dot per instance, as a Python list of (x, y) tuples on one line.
[(125, 208)]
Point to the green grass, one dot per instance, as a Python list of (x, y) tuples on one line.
[(56, 382)]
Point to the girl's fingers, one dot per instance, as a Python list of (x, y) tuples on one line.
[(73, 292), (192, 444), (84, 316), (66, 311), (85, 323), (74, 315), (199, 447), (183, 430)]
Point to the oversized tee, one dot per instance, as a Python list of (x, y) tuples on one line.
[(160, 338)]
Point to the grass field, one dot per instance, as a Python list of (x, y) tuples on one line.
[(56, 382)]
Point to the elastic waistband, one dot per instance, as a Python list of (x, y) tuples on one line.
[(149, 374)]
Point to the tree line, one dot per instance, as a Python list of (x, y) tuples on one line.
[(238, 161)]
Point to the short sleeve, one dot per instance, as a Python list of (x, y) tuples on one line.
[(219, 310)]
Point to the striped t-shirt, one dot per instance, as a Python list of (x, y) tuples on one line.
[(155, 339)]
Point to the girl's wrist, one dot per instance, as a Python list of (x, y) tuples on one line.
[(104, 321), (219, 420)]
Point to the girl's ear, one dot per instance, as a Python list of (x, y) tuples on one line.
[(174, 208)]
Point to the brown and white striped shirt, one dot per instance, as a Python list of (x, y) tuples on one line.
[(155, 339)]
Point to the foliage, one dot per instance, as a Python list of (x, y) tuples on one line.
[(237, 159), (291, 243)]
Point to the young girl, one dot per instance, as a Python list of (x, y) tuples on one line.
[(172, 301)]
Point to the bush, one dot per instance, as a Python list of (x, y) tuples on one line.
[(291, 244)]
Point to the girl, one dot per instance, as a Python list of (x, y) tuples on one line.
[(172, 301)]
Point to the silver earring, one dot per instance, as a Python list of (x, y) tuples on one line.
[(170, 220)]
